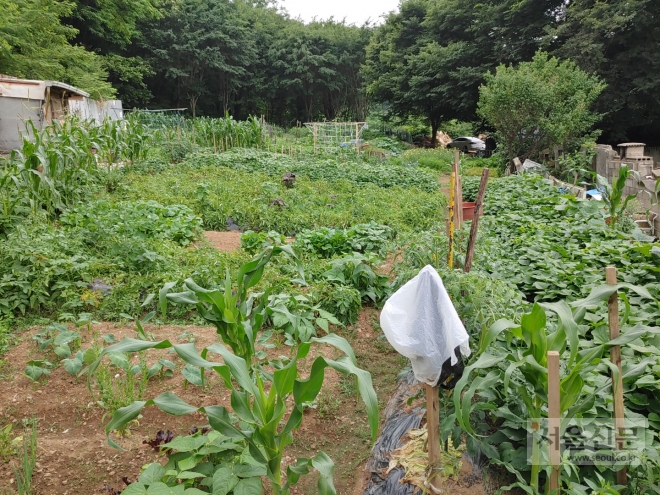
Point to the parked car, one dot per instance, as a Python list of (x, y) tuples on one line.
[(469, 145)]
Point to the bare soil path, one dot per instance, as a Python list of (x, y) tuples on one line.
[(73, 456), (224, 241)]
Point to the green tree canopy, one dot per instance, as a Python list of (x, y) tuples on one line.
[(34, 44), (540, 105), (619, 40), (430, 58)]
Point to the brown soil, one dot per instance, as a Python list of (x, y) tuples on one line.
[(224, 241), (74, 458), (445, 183)]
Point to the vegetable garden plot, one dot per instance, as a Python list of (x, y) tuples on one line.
[(554, 249), (102, 254)]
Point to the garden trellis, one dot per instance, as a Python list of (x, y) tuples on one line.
[(330, 136)]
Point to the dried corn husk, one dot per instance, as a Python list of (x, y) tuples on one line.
[(413, 457)]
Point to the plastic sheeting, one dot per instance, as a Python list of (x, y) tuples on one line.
[(399, 419), (421, 323)]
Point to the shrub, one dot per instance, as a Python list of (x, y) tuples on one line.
[(343, 301), (540, 104), (253, 242), (359, 271)]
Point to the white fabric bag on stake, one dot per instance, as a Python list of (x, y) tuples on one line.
[(421, 323)]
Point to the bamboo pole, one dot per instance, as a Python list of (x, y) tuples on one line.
[(554, 415), (433, 431), (615, 357), (478, 206)]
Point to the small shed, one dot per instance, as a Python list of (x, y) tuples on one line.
[(42, 102)]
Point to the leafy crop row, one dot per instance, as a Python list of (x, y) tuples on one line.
[(553, 246), (547, 253), (218, 193), (354, 170)]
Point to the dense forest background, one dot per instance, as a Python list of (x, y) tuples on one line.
[(248, 57)]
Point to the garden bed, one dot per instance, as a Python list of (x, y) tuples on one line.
[(74, 457)]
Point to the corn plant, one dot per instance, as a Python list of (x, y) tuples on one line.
[(516, 370), (28, 458), (260, 398), (613, 194), (224, 133)]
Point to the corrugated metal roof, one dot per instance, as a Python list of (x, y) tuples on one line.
[(5, 79)]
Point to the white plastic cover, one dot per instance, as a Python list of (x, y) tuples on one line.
[(421, 323)]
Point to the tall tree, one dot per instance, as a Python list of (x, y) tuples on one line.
[(619, 40), (109, 28), (35, 44), (202, 48), (430, 58), (245, 57)]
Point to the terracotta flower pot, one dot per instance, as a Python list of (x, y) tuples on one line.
[(468, 211)]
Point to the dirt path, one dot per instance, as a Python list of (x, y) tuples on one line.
[(74, 458), (224, 241), (73, 455), (445, 182)]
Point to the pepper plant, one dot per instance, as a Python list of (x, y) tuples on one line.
[(266, 400)]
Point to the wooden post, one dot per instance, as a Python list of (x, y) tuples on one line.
[(433, 429), (357, 135), (554, 415), (615, 357), (458, 213), (475, 221), (459, 194), (451, 221)]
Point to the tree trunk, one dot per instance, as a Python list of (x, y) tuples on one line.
[(434, 133), (193, 104)]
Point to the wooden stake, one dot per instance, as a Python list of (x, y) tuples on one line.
[(451, 221), (433, 428), (554, 415), (459, 195), (615, 357), (456, 186), (478, 206)]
